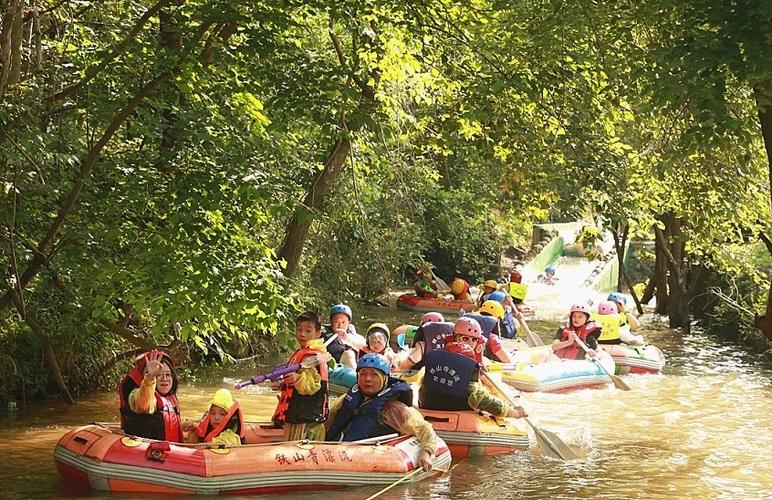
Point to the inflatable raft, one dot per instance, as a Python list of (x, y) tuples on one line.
[(341, 379), (469, 433), (101, 459), (412, 302), (633, 359), (560, 376)]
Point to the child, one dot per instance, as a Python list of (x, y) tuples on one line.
[(340, 321), (222, 424), (452, 376), (489, 286), (579, 326), (303, 400), (459, 290), (377, 342)]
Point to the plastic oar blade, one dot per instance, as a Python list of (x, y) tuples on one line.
[(533, 340), (618, 382), (552, 446)]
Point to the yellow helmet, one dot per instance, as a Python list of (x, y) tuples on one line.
[(490, 284), (222, 398), (457, 286), (493, 308)]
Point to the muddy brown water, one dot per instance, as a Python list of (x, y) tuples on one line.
[(703, 428)]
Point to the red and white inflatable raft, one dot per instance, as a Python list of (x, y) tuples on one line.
[(95, 456)]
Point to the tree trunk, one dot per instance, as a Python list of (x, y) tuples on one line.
[(12, 15), (648, 292), (660, 274), (298, 226), (171, 41), (764, 103), (620, 241), (48, 349), (679, 306)]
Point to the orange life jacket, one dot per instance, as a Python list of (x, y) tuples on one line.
[(225, 423), (300, 408)]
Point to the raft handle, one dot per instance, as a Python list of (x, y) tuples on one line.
[(80, 440), (432, 418)]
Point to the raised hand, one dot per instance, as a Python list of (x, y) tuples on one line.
[(153, 364)]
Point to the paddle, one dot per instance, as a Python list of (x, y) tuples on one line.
[(531, 338), (443, 287), (618, 382), (280, 371), (549, 442)]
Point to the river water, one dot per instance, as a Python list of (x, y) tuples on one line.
[(703, 428)]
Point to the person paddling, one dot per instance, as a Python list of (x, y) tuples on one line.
[(579, 326)]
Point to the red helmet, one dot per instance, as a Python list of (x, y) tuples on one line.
[(461, 348), (580, 308), (607, 307), (432, 317), (467, 326), (515, 277)]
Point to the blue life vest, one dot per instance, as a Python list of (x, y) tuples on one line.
[(360, 420), (508, 327), (434, 335), (446, 381)]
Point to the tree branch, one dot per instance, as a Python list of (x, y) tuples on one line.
[(118, 50)]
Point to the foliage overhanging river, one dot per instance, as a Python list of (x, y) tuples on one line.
[(701, 429)]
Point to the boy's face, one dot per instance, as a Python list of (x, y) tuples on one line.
[(339, 321), (306, 331), (216, 414), (487, 290)]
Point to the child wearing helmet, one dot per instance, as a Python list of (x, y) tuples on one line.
[(221, 425), (340, 322), (380, 404), (459, 290), (625, 316), (517, 289), (579, 326), (377, 341), (488, 287), (548, 277), (303, 400), (452, 381)]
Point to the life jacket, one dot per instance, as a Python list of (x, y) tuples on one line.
[(358, 418), (297, 408), (518, 291), (164, 424), (434, 334), (574, 351), (610, 324), (508, 328), (336, 347), (446, 381), (233, 420)]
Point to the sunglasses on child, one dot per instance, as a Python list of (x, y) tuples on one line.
[(465, 338)]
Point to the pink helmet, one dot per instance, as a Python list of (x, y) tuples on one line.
[(432, 317), (467, 326), (607, 307), (580, 308)]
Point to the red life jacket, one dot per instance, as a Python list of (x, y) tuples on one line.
[(164, 424), (574, 351), (300, 408), (225, 423), (479, 349)]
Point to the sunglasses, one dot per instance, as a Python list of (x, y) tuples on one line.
[(465, 338)]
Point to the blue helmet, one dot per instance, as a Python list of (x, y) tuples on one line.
[(498, 296), (376, 361), (341, 308), (617, 297), (549, 269)]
